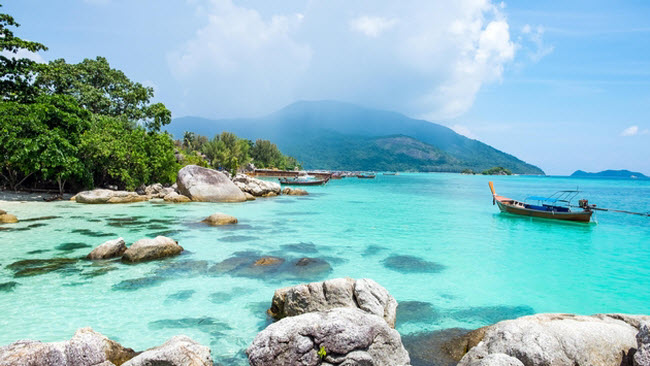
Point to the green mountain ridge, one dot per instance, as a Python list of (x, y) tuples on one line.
[(624, 174), (342, 136)]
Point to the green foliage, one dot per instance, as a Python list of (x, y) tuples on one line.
[(497, 170), (467, 171), (103, 90), (16, 73), (322, 352), (267, 155), (117, 153), (41, 139)]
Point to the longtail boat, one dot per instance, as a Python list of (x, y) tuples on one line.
[(366, 176), (390, 173), (298, 182), (557, 206)]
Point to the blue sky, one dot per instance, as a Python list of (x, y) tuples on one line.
[(564, 85)]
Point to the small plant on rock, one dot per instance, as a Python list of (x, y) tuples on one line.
[(322, 353)]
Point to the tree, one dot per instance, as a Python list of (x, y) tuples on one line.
[(16, 73), (103, 90), (41, 139)]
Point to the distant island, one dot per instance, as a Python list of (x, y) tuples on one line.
[(341, 136), (619, 174)]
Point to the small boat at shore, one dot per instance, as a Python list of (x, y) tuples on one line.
[(557, 206), (366, 176), (303, 182), (390, 173)]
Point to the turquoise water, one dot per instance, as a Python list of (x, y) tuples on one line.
[(435, 241)]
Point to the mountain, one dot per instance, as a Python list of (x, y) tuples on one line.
[(335, 135), (620, 174)]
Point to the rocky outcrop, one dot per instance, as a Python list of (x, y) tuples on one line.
[(157, 190), (218, 219), (642, 355), (342, 336), (176, 198), (257, 187), (86, 348), (177, 351), (150, 249), (109, 196), (294, 191), (249, 197), (560, 340), (364, 294), (110, 249), (7, 218), (207, 185)]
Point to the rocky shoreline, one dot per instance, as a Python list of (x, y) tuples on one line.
[(344, 321)]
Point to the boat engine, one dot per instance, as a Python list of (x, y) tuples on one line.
[(583, 203)]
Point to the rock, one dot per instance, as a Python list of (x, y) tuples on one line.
[(177, 351), (364, 294), (249, 197), (498, 359), (149, 249), (257, 187), (86, 348), (294, 192), (157, 190), (176, 198), (141, 190), (348, 336), (642, 355), (207, 185), (2, 212), (250, 167), (268, 261), (6, 218), (108, 196), (560, 340), (218, 219), (110, 249)]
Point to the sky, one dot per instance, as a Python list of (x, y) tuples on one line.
[(564, 85)]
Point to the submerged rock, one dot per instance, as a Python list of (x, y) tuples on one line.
[(207, 185), (268, 261), (150, 249), (86, 348), (176, 198), (6, 218), (108, 196), (364, 294), (110, 249), (177, 351), (642, 355), (294, 192), (256, 187), (432, 348), (410, 264), (8, 286), (34, 267), (560, 340), (344, 336), (218, 219)]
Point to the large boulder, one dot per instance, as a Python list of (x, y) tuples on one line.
[(150, 249), (642, 355), (177, 351), (110, 249), (257, 187), (176, 198), (109, 196), (342, 336), (207, 185), (86, 348), (560, 340), (6, 218), (364, 294), (218, 219)]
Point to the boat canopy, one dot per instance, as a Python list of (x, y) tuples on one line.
[(540, 198)]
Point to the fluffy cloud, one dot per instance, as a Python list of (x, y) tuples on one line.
[(372, 26), (425, 58), (23, 53), (533, 41), (634, 130)]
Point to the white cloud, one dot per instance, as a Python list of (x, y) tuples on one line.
[(634, 130), (372, 26), (23, 53), (533, 42), (464, 130), (428, 58)]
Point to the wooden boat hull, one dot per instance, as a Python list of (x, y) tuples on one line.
[(366, 176), (305, 183), (584, 216)]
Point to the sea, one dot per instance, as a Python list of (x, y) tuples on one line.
[(435, 241)]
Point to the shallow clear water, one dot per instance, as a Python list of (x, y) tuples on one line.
[(435, 241)]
